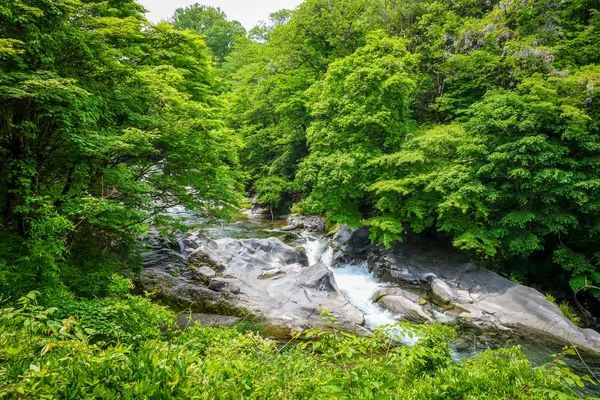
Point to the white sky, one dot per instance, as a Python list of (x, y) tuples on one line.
[(248, 12)]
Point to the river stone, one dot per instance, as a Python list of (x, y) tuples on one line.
[(480, 297), (179, 291), (307, 222), (205, 274), (348, 240), (403, 302)]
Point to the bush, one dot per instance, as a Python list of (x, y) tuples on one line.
[(44, 356), (131, 320), (568, 312)]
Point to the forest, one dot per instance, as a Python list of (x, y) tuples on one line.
[(469, 122)]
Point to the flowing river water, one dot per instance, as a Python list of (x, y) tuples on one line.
[(359, 286)]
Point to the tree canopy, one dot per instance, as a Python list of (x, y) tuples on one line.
[(472, 120), (219, 33), (106, 120)]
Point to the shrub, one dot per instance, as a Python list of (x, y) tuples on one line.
[(43, 356)]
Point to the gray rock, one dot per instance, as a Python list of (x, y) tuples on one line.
[(205, 274), (186, 320), (258, 210), (163, 258), (396, 291), (403, 302), (349, 240), (307, 222), (224, 285), (179, 291)]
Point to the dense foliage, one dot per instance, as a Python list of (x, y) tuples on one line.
[(45, 356), (105, 120), (470, 120), (219, 33)]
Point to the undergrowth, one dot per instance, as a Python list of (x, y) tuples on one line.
[(126, 348)]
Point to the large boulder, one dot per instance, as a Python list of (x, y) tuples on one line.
[(263, 278), (181, 293), (351, 241), (473, 295)]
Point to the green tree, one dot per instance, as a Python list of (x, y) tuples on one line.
[(105, 122), (360, 111), (220, 34)]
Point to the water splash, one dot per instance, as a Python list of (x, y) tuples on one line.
[(357, 285)]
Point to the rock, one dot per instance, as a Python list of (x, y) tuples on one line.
[(349, 240), (204, 274), (224, 285), (310, 223), (184, 294), (443, 290), (260, 277), (186, 320), (322, 279), (403, 302), (257, 210), (396, 291), (165, 258), (271, 273)]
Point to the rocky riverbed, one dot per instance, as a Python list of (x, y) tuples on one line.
[(264, 280), (282, 284)]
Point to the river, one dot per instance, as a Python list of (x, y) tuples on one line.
[(359, 286)]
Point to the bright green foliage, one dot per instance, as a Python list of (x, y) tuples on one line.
[(104, 122), (503, 152), (268, 104), (46, 353), (360, 110), (220, 34)]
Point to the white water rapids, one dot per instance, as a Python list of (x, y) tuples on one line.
[(356, 284)]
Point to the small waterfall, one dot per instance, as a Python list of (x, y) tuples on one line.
[(317, 249), (356, 284), (359, 287)]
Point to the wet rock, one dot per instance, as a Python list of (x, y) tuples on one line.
[(309, 223), (348, 240)]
